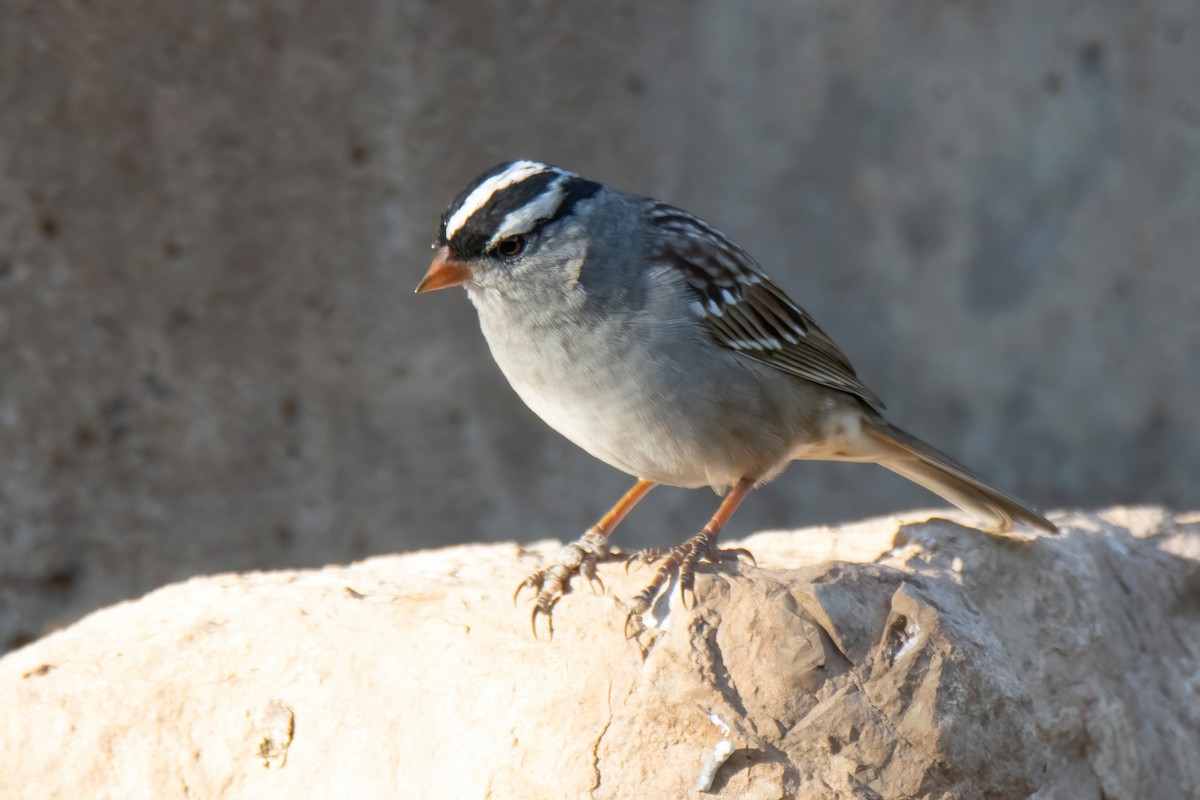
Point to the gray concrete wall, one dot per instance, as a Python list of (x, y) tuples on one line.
[(212, 217)]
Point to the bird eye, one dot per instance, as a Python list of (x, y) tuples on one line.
[(511, 246)]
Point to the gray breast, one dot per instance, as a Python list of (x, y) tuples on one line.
[(640, 392)]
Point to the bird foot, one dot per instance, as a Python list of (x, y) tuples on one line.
[(680, 560), (550, 583)]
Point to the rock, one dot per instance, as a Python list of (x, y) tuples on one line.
[(878, 660), (213, 215)]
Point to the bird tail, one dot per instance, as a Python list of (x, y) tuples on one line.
[(908, 456)]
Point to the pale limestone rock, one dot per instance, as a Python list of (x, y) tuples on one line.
[(213, 214), (876, 660)]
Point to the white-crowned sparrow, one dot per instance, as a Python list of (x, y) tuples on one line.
[(656, 344)]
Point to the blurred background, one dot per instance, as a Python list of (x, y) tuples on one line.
[(213, 215)]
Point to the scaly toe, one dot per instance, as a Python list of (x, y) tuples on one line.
[(534, 582), (588, 570), (551, 583), (645, 556), (641, 602), (682, 560)]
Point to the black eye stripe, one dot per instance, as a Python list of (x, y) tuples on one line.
[(481, 227)]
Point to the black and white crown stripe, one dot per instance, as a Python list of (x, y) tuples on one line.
[(479, 193), (517, 197), (541, 206)]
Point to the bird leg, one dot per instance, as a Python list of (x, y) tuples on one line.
[(682, 559), (580, 556)]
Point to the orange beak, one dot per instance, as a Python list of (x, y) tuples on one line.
[(443, 273)]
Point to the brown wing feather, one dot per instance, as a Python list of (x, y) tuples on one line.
[(747, 313)]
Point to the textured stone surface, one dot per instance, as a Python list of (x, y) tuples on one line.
[(212, 217), (878, 660)]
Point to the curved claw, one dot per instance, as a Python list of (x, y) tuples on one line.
[(693, 551), (552, 582), (741, 552), (681, 561), (642, 601), (520, 587), (545, 610), (630, 619), (687, 586), (588, 570), (533, 582)]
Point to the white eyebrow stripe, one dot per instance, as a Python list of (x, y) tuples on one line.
[(517, 172), (540, 207)]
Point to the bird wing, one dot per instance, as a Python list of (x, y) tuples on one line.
[(744, 310)]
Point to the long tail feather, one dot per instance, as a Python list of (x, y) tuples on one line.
[(908, 456)]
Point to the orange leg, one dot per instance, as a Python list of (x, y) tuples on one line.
[(609, 522), (682, 559), (580, 557), (728, 506)]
